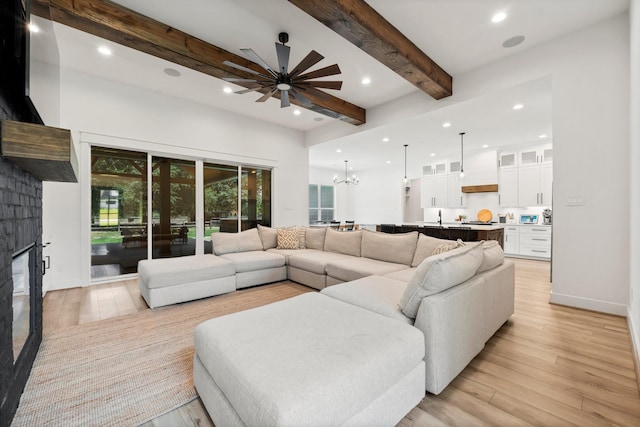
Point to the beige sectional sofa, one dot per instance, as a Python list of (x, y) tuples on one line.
[(457, 299)]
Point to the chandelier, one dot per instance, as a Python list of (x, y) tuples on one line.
[(347, 180)]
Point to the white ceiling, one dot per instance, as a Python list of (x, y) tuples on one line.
[(457, 34)]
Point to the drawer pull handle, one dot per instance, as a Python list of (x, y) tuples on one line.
[(542, 252), (539, 240)]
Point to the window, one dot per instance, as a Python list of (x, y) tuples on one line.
[(321, 203)]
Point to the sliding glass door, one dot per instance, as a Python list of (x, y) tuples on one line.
[(234, 198), (220, 201), (173, 207), (118, 211)]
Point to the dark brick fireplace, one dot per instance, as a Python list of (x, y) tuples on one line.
[(20, 209)]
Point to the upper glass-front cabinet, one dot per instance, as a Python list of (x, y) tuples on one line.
[(507, 159)]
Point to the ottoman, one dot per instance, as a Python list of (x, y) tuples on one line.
[(310, 360), (168, 281)]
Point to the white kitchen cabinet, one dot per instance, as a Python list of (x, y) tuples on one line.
[(534, 185), (435, 168), (535, 241), (535, 155), (456, 198), (508, 187), (507, 159), (434, 191), (511, 240)]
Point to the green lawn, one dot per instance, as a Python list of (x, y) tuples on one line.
[(114, 236)]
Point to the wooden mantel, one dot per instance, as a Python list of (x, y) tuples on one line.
[(45, 152)]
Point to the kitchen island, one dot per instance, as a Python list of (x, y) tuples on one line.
[(451, 231)]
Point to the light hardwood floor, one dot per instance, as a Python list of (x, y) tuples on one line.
[(547, 366)]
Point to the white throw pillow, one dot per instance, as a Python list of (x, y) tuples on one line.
[(438, 273)]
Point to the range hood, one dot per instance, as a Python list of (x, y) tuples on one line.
[(45, 152)]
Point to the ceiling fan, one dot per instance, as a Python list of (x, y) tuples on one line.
[(289, 83)]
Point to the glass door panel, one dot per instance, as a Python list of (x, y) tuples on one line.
[(256, 197), (220, 201), (118, 211), (173, 207)]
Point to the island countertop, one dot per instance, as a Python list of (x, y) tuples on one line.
[(450, 230)]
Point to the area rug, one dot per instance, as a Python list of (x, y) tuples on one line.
[(127, 370)]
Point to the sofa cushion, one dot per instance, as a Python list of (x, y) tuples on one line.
[(343, 242), (269, 237), (254, 260), (402, 275), (160, 273), (315, 237), (493, 255), (379, 294), (440, 272), (348, 268), (397, 248), (288, 238), (425, 247), (226, 243), (316, 262), (286, 253)]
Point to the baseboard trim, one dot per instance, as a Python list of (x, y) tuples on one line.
[(589, 304), (635, 346)]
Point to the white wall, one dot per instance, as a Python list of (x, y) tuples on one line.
[(634, 195), (119, 115), (590, 88)]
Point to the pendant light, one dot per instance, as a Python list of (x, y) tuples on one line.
[(462, 154), (405, 181)]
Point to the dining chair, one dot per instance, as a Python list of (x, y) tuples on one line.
[(348, 225), (335, 225)]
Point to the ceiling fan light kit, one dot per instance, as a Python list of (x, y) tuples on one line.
[(287, 83)]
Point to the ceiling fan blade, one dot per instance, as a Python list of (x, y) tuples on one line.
[(306, 102), (250, 54), (253, 89), (323, 84), (283, 57), (307, 62), (245, 69), (322, 72), (267, 95), (233, 79), (284, 98)]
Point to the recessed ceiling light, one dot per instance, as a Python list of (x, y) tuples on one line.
[(518, 107), (485, 146), (227, 89), (34, 28), (172, 72), (498, 17), (446, 125), (366, 80), (297, 112), (385, 139), (432, 154), (338, 150), (542, 136), (104, 50), (513, 41), (388, 162)]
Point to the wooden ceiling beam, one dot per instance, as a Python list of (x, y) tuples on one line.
[(359, 23), (118, 24)]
